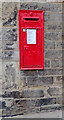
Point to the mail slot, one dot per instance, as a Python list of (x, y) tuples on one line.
[(31, 39)]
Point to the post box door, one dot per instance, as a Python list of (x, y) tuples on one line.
[(32, 55)]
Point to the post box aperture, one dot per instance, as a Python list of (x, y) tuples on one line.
[(31, 39)]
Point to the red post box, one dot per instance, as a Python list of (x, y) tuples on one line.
[(31, 39)]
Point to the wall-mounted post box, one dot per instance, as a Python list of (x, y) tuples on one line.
[(31, 39)]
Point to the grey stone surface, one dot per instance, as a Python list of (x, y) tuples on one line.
[(39, 81), (59, 45), (10, 44), (11, 76), (55, 36), (23, 82), (10, 55), (56, 63), (42, 6), (55, 27), (49, 44), (9, 38), (53, 54), (51, 72), (32, 93), (47, 114), (9, 13), (53, 17), (55, 91)]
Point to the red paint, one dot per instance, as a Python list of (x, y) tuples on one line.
[(31, 55)]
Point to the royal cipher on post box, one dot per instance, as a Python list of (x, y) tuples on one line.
[(31, 39)]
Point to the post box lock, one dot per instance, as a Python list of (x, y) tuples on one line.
[(31, 39)]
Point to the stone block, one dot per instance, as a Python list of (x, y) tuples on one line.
[(34, 103), (28, 73), (9, 39), (59, 78), (24, 93), (49, 44), (53, 26), (55, 36), (53, 54), (11, 76), (51, 72), (53, 17), (9, 13), (59, 45), (54, 91), (10, 55), (56, 63), (10, 44), (39, 81), (41, 6), (35, 93)]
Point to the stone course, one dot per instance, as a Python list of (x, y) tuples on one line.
[(30, 91)]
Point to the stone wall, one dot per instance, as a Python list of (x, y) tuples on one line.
[(37, 90)]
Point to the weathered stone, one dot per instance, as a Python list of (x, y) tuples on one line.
[(0, 34), (54, 17), (10, 55), (24, 94), (10, 44), (11, 78), (9, 38), (35, 102), (56, 63), (53, 54), (39, 81), (50, 72), (55, 36), (54, 91), (50, 7), (59, 45), (12, 94), (41, 6), (32, 93), (49, 44), (44, 1), (9, 13), (53, 26), (29, 73), (23, 81), (51, 108), (59, 78)]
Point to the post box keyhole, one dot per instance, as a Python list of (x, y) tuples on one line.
[(25, 48)]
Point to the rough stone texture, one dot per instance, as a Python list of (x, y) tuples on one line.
[(11, 77), (55, 36), (53, 27), (30, 91), (59, 45), (53, 54), (40, 81), (56, 63), (49, 44), (54, 91), (9, 13), (10, 44)]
